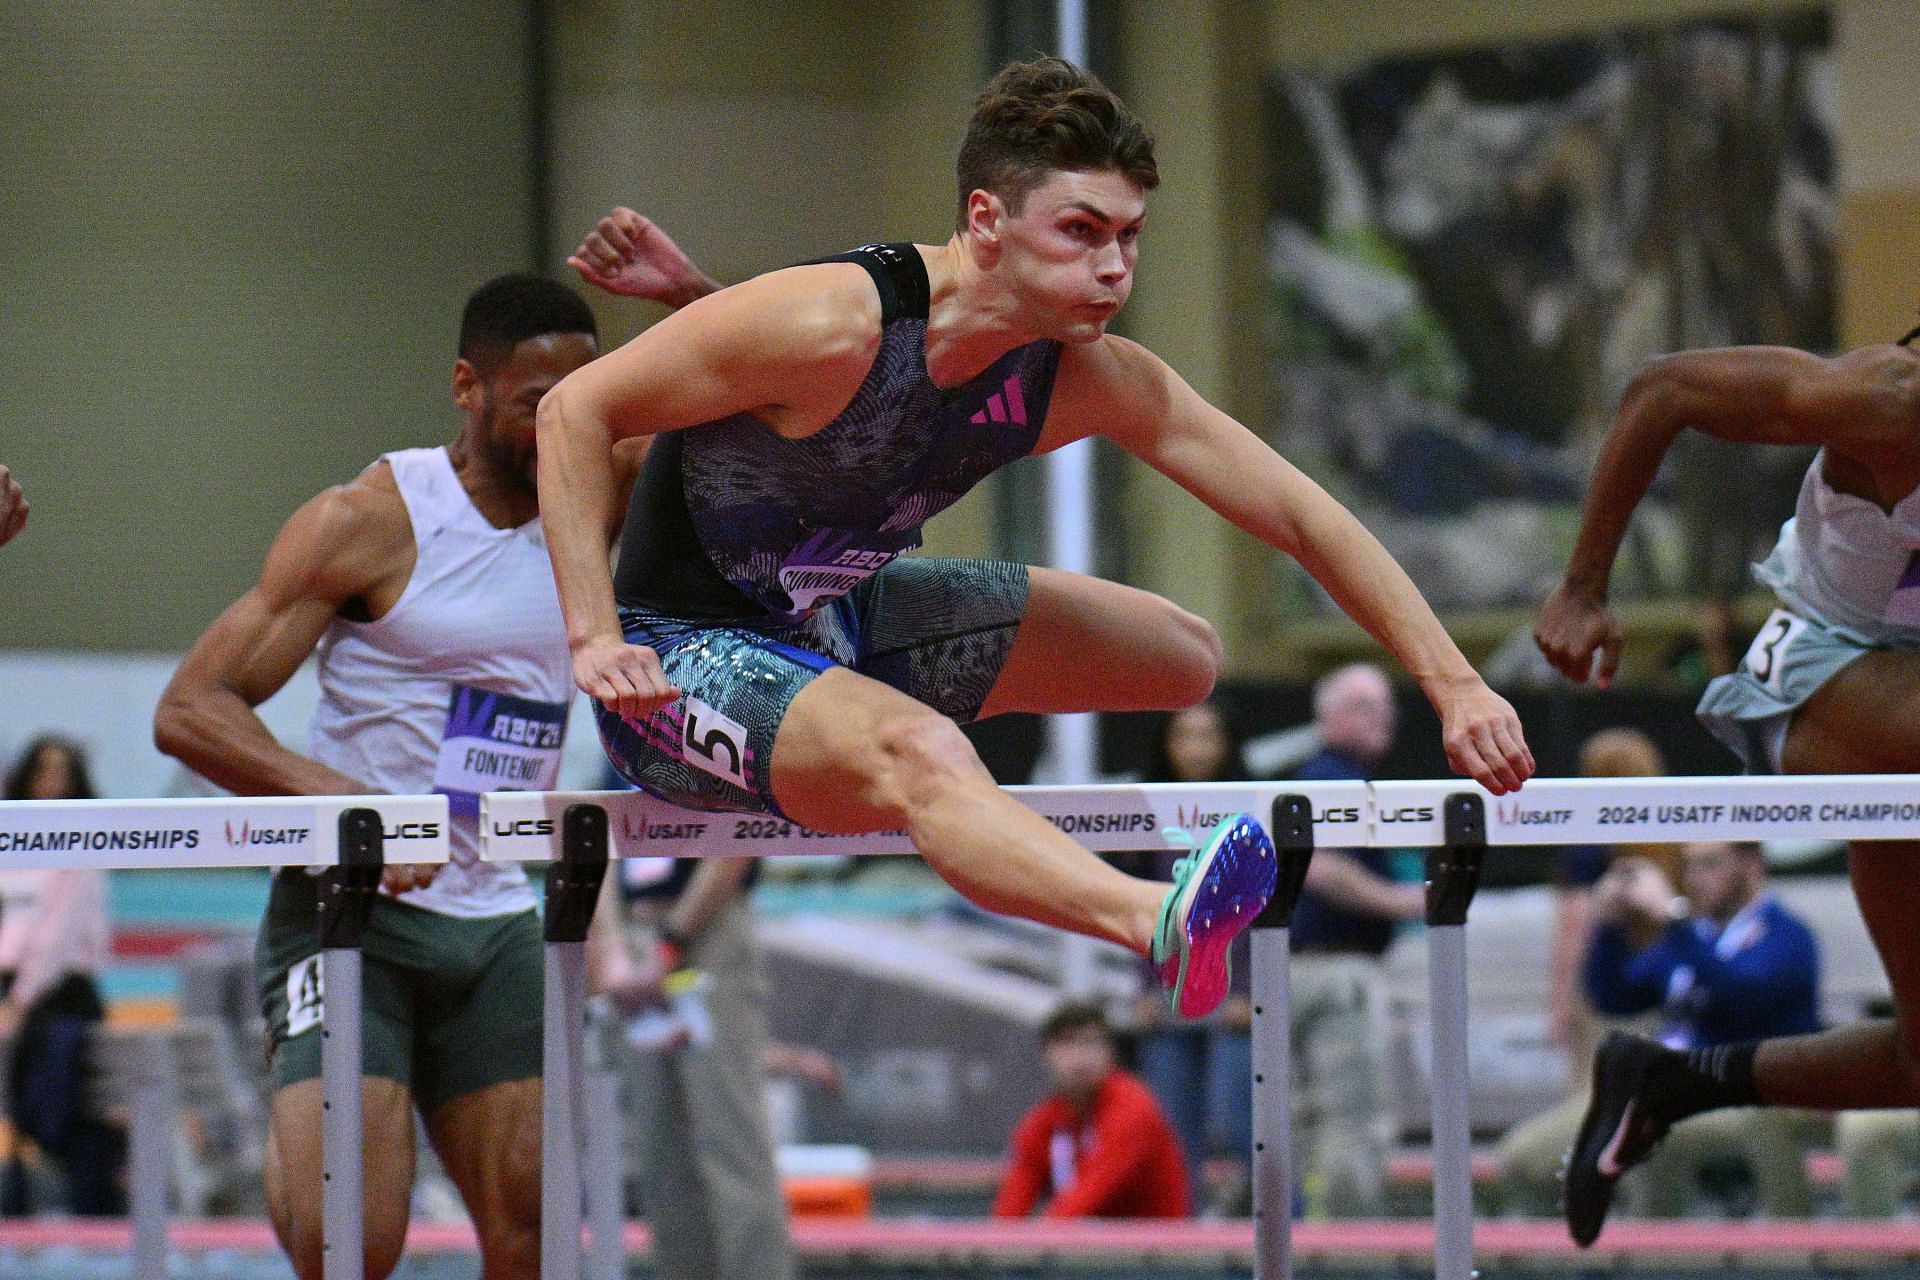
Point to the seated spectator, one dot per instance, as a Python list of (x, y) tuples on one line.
[(54, 940), (1346, 920), (1099, 1146), (1728, 963), (1610, 753)]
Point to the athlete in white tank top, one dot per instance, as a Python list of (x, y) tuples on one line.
[(1845, 700), (1849, 563), (424, 586), (462, 687)]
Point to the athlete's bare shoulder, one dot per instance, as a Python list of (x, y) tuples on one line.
[(825, 311), (1890, 373), (351, 540), (1865, 402)]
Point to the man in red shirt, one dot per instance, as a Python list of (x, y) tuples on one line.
[(1100, 1146)]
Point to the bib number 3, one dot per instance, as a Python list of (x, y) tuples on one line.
[(1767, 657), (715, 744)]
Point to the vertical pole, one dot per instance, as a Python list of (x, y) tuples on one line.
[(1292, 831), (573, 886), (153, 1117), (1073, 747), (346, 898), (1453, 874), (607, 1257)]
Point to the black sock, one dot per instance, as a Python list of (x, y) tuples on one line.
[(1684, 1084)]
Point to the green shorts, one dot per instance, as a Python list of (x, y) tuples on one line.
[(451, 1005)]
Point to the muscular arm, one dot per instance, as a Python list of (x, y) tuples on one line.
[(789, 347), (1863, 406), (331, 551), (1118, 389)]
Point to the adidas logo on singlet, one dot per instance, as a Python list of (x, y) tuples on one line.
[(1004, 406)]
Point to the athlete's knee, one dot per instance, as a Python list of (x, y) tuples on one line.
[(925, 753)]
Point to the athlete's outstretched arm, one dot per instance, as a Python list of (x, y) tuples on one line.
[(1860, 405), (1124, 392), (762, 347)]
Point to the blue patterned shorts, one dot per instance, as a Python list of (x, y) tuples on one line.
[(939, 630)]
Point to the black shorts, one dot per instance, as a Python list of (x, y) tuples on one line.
[(939, 630)]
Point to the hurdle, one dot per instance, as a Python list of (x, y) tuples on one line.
[(1457, 823), (1454, 821)]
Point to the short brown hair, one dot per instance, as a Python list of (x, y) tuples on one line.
[(1040, 117), (1074, 1015), (1620, 753)]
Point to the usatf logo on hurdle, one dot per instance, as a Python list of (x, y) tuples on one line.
[(246, 835), (638, 827), (1511, 813)]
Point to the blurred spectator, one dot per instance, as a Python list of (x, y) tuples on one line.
[(1201, 1072), (1099, 1147), (1610, 753), (1710, 650), (1342, 927), (54, 940), (1729, 963), (673, 946), (13, 507)]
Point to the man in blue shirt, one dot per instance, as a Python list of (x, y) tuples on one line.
[(1726, 964)]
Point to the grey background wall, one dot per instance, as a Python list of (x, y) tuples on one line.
[(235, 237)]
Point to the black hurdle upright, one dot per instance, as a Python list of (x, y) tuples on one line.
[(573, 888), (1292, 832), (347, 891), (1453, 875)]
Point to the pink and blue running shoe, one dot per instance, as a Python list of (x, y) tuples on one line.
[(1217, 891)]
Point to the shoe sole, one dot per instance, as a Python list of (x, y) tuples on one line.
[(1229, 888)]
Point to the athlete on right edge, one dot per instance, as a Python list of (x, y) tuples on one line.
[(1830, 685)]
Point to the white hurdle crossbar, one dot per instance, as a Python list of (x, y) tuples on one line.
[(1455, 819), (346, 839)]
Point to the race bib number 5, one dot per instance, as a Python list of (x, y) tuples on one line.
[(715, 744)]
